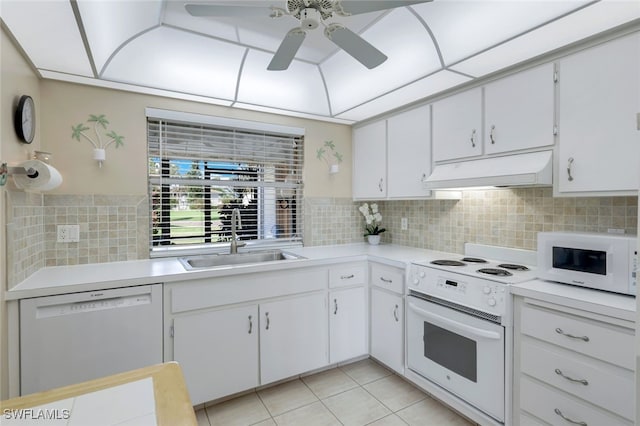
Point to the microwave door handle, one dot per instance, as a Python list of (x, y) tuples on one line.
[(460, 326)]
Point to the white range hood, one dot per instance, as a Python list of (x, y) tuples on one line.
[(530, 169)]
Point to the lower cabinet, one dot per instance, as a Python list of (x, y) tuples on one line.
[(293, 336), (387, 328), (218, 351), (572, 366), (347, 324)]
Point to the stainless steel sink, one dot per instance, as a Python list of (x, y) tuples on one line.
[(218, 260)]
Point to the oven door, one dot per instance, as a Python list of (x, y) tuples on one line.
[(462, 353)]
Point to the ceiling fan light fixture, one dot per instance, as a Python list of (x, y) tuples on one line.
[(310, 18)]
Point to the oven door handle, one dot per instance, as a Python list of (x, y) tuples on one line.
[(493, 335)]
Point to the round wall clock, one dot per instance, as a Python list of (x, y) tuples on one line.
[(25, 119)]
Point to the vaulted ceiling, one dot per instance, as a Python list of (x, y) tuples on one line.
[(155, 46)]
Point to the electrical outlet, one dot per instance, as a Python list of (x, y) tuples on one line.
[(404, 224), (68, 233)]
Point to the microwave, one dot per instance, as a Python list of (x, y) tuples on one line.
[(601, 261)]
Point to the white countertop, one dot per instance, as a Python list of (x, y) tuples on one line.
[(596, 301), (99, 276)]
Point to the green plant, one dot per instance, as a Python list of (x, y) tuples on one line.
[(98, 121), (327, 151)]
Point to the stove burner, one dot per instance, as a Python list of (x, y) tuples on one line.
[(473, 260), (513, 267), (446, 262), (495, 271)]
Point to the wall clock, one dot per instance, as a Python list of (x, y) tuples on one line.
[(25, 119)]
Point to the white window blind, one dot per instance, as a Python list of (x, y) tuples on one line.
[(200, 173)]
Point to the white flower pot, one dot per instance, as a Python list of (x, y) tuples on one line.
[(374, 240)]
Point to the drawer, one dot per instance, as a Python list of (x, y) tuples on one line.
[(342, 276), (554, 365), (387, 277), (596, 339), (550, 404)]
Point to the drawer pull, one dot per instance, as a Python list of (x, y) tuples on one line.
[(395, 313), (559, 331), (385, 280), (558, 412), (250, 324), (346, 277), (571, 379)]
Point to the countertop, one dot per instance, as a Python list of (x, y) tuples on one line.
[(100, 276), (595, 301), (168, 397)]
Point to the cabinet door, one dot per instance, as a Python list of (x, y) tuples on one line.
[(599, 142), (409, 153), (387, 329), (347, 324), (293, 336), (519, 111), (218, 351), (370, 161), (457, 126)]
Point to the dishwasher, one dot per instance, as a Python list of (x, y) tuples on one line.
[(76, 337)]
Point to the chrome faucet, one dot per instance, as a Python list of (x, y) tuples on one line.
[(235, 219)]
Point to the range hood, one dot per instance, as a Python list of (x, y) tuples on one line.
[(530, 169)]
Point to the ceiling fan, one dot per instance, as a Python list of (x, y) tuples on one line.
[(311, 13)]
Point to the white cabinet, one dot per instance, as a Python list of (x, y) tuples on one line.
[(519, 111), (568, 361), (409, 153), (347, 324), (370, 161), (293, 336), (387, 316), (599, 141), (457, 126), (218, 351)]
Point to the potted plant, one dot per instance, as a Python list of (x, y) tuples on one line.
[(373, 218)]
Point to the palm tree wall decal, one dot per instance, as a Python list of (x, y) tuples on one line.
[(99, 144)]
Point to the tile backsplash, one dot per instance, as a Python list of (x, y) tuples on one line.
[(114, 228)]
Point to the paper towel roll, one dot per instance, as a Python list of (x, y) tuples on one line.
[(47, 177)]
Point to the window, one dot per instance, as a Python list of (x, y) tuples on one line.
[(203, 168)]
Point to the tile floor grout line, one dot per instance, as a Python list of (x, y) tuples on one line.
[(322, 402)]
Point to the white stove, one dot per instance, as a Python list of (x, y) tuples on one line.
[(458, 316)]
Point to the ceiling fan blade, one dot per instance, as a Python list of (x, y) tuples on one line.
[(354, 7), (225, 10), (355, 45), (287, 50)]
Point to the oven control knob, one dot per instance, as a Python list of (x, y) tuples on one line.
[(422, 274), (416, 281), (491, 301), (486, 290)]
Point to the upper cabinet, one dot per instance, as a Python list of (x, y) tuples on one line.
[(370, 161), (457, 126), (518, 115), (392, 157), (409, 153), (519, 111), (599, 99)]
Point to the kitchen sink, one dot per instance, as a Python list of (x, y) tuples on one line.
[(219, 260)]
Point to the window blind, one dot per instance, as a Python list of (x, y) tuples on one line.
[(200, 173)]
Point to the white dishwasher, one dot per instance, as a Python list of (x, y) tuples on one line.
[(75, 337)]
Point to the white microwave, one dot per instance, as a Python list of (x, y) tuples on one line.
[(602, 261)]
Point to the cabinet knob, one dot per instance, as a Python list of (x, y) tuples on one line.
[(395, 313), (575, 422), (473, 138), (335, 304), (571, 336), (250, 324), (491, 135), (380, 184), (266, 315), (571, 379)]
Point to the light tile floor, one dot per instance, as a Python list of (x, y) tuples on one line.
[(357, 394)]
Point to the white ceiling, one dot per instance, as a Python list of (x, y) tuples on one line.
[(155, 46)]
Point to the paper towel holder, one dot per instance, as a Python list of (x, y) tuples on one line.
[(5, 171)]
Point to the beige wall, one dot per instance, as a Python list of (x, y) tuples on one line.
[(124, 172), (16, 79)]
